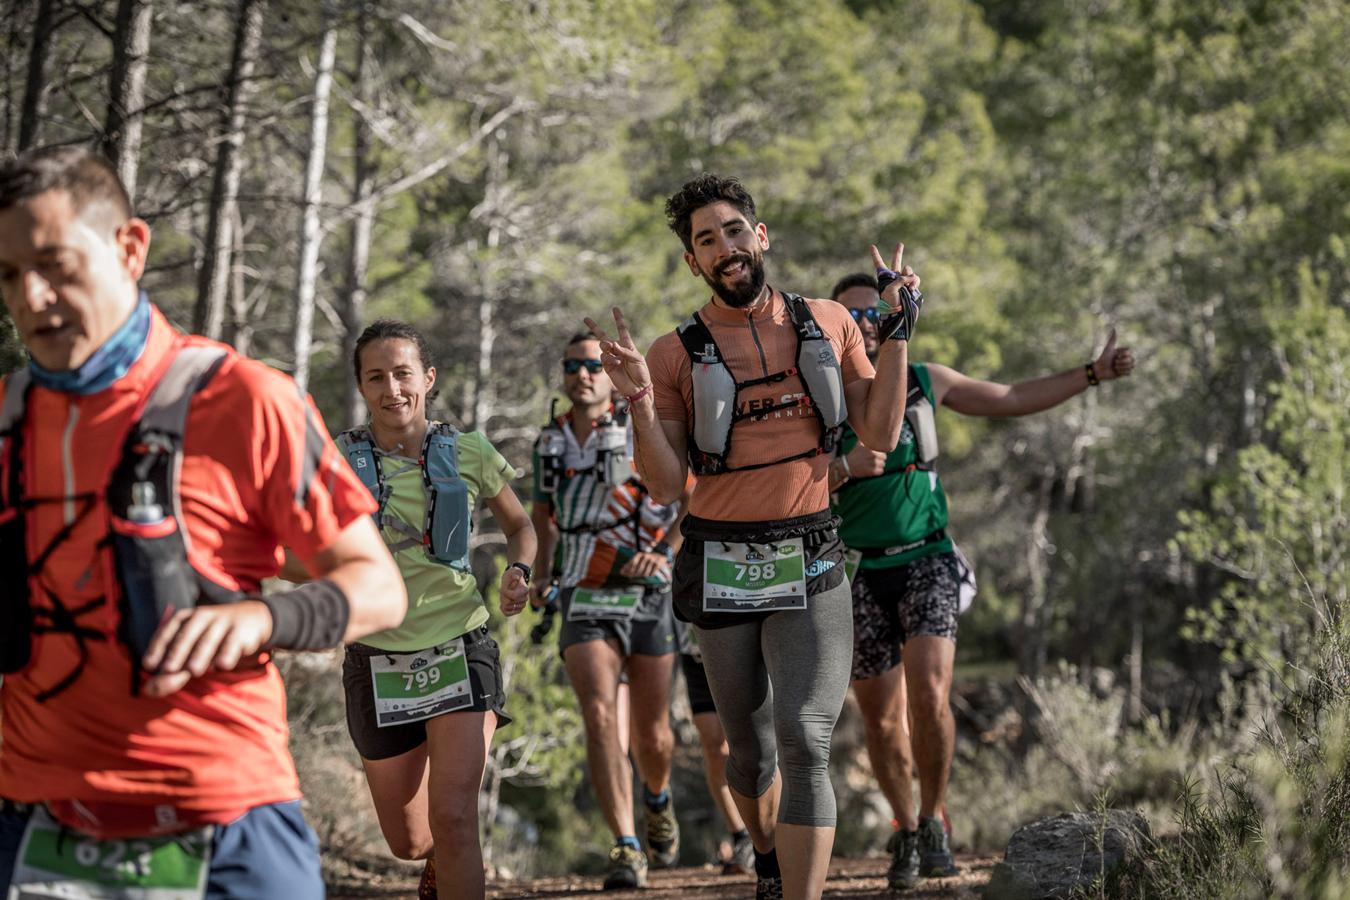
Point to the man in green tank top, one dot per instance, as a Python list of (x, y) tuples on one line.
[(906, 587)]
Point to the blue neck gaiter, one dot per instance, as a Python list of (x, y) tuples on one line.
[(109, 362)]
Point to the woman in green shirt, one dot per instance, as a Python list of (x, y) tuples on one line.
[(423, 699)]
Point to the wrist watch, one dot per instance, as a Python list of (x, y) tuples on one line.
[(524, 570)]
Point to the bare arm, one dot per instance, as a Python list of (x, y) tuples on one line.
[(877, 405), (520, 547), (546, 537), (193, 641), (973, 397)]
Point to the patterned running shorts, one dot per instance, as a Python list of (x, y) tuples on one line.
[(892, 605)]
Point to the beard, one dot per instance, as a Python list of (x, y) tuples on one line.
[(745, 293)]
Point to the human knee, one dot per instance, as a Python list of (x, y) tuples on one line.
[(655, 736), (804, 742), (600, 716), (928, 694), (455, 822), (408, 846)]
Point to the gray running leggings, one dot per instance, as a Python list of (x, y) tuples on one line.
[(785, 676)]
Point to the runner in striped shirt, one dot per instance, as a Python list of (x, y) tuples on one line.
[(608, 539)]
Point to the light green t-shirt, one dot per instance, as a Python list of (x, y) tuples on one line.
[(443, 603)]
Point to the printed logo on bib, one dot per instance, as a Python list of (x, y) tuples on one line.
[(615, 605), (754, 577), (54, 861), (411, 687)]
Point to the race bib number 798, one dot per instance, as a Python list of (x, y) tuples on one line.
[(754, 577)]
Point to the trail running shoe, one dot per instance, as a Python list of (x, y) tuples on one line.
[(769, 888), (935, 855), (742, 861), (426, 888), (904, 871), (663, 836), (627, 868)]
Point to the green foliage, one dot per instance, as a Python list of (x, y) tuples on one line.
[(1278, 518)]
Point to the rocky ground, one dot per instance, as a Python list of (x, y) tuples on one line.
[(859, 878)]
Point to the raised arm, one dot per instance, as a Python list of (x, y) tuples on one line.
[(660, 454), (877, 405), (973, 397)]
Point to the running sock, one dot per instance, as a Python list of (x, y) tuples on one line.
[(656, 802), (627, 840), (766, 864)]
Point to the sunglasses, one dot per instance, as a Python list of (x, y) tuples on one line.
[(871, 314), (573, 366)]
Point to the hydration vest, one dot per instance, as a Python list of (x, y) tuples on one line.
[(147, 537), (448, 522), (613, 465), (923, 429), (716, 391)]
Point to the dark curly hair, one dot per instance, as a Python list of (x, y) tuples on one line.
[(857, 279), (702, 191), (381, 329)]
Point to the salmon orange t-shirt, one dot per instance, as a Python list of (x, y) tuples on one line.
[(756, 343), (259, 472)]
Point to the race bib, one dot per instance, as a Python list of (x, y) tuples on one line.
[(57, 862), (614, 605), (410, 687), (754, 577)]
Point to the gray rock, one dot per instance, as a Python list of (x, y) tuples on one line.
[(1052, 857)]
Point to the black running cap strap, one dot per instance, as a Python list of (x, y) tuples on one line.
[(313, 616), (897, 549)]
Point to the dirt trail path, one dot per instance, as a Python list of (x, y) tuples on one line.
[(857, 878)]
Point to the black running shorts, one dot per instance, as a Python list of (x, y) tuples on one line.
[(373, 742)]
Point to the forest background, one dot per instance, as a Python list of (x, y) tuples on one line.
[(1162, 561)]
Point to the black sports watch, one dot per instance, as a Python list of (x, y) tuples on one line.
[(524, 569)]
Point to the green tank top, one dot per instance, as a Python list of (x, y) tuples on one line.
[(900, 509)]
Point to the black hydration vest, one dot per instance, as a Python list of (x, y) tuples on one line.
[(147, 536), (716, 391)]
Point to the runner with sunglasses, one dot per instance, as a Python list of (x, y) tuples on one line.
[(749, 393), (906, 592), (613, 547)]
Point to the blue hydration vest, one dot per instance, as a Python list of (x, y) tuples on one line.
[(448, 522)]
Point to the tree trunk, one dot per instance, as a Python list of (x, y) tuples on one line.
[(239, 334), (487, 325), (35, 88), (214, 275), (1031, 640), (307, 273), (16, 17), (126, 88), (358, 260)]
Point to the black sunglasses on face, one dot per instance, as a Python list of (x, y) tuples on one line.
[(573, 366), (871, 314)]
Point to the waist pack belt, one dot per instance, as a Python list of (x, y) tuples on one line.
[(875, 552)]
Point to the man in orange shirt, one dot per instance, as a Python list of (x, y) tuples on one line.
[(750, 392), (148, 481)]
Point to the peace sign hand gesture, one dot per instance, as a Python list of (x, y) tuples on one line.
[(900, 295), (623, 363)]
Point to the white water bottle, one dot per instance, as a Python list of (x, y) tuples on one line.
[(143, 509)]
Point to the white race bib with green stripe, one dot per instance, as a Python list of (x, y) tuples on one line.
[(411, 687), (754, 577), (612, 605), (54, 861)]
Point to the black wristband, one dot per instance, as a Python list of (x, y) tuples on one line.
[(313, 616), (1092, 378), (664, 549), (523, 568)]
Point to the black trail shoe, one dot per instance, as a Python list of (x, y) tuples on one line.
[(935, 855), (904, 871)]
